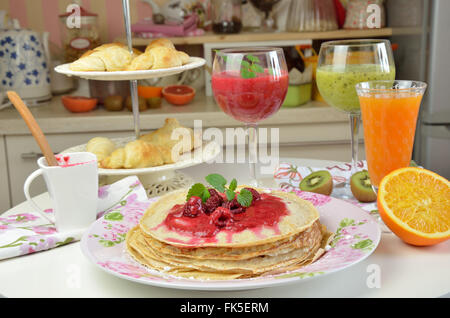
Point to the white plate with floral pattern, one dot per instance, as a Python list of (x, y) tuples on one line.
[(357, 236)]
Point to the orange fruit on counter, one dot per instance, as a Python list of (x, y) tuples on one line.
[(415, 204), (79, 104), (178, 95), (149, 91)]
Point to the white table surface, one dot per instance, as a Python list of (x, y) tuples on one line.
[(406, 271)]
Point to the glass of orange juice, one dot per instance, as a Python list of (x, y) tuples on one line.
[(389, 113)]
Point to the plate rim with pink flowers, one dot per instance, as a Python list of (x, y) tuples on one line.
[(357, 234)]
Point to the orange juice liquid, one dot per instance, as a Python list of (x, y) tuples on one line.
[(389, 122)]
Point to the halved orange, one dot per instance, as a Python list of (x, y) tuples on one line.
[(415, 204)]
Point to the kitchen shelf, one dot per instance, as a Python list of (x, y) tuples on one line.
[(54, 118), (210, 37)]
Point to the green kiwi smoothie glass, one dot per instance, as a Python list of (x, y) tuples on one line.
[(342, 65)]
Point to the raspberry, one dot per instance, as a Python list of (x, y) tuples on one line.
[(214, 193), (193, 207), (238, 210), (234, 206), (213, 203), (255, 194), (221, 217)]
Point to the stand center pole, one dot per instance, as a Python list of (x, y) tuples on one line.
[(133, 83)]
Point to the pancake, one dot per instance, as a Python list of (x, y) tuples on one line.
[(226, 253), (252, 265), (301, 215), (279, 232), (248, 269)]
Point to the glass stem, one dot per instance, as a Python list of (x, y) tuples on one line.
[(135, 108), (354, 130), (252, 152)]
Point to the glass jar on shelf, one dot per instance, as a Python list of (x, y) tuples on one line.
[(365, 14), (77, 39), (312, 15), (227, 16)]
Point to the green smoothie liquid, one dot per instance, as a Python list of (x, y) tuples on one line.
[(336, 83)]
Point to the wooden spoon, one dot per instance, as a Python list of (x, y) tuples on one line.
[(34, 127)]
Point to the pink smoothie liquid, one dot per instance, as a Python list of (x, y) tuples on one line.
[(249, 100)]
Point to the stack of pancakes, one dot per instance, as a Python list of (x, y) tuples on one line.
[(298, 239)]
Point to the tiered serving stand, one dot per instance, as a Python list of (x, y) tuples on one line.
[(157, 180)]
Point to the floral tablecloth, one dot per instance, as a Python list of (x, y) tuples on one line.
[(28, 232), (288, 176)]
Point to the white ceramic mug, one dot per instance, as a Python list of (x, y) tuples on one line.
[(73, 188)]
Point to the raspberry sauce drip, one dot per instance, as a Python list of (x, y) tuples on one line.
[(64, 162), (264, 212)]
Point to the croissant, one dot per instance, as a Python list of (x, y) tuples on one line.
[(171, 135), (135, 154), (160, 42), (158, 57), (160, 53), (184, 57), (166, 154), (107, 57), (162, 146), (88, 62), (115, 160), (164, 57), (141, 62), (102, 147)]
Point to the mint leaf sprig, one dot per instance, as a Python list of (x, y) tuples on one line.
[(245, 198), (250, 65), (198, 190), (219, 183)]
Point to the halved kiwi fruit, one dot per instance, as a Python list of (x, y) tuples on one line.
[(318, 182), (362, 187)]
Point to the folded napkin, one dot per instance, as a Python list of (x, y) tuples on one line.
[(28, 232), (288, 176)]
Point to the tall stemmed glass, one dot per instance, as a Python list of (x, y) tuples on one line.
[(342, 65), (250, 85)]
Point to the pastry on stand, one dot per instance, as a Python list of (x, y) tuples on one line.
[(114, 61)]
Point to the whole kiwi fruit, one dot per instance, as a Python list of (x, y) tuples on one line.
[(154, 102), (113, 103), (362, 187), (142, 104), (319, 182)]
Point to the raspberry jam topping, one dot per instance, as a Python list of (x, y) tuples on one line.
[(196, 219)]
